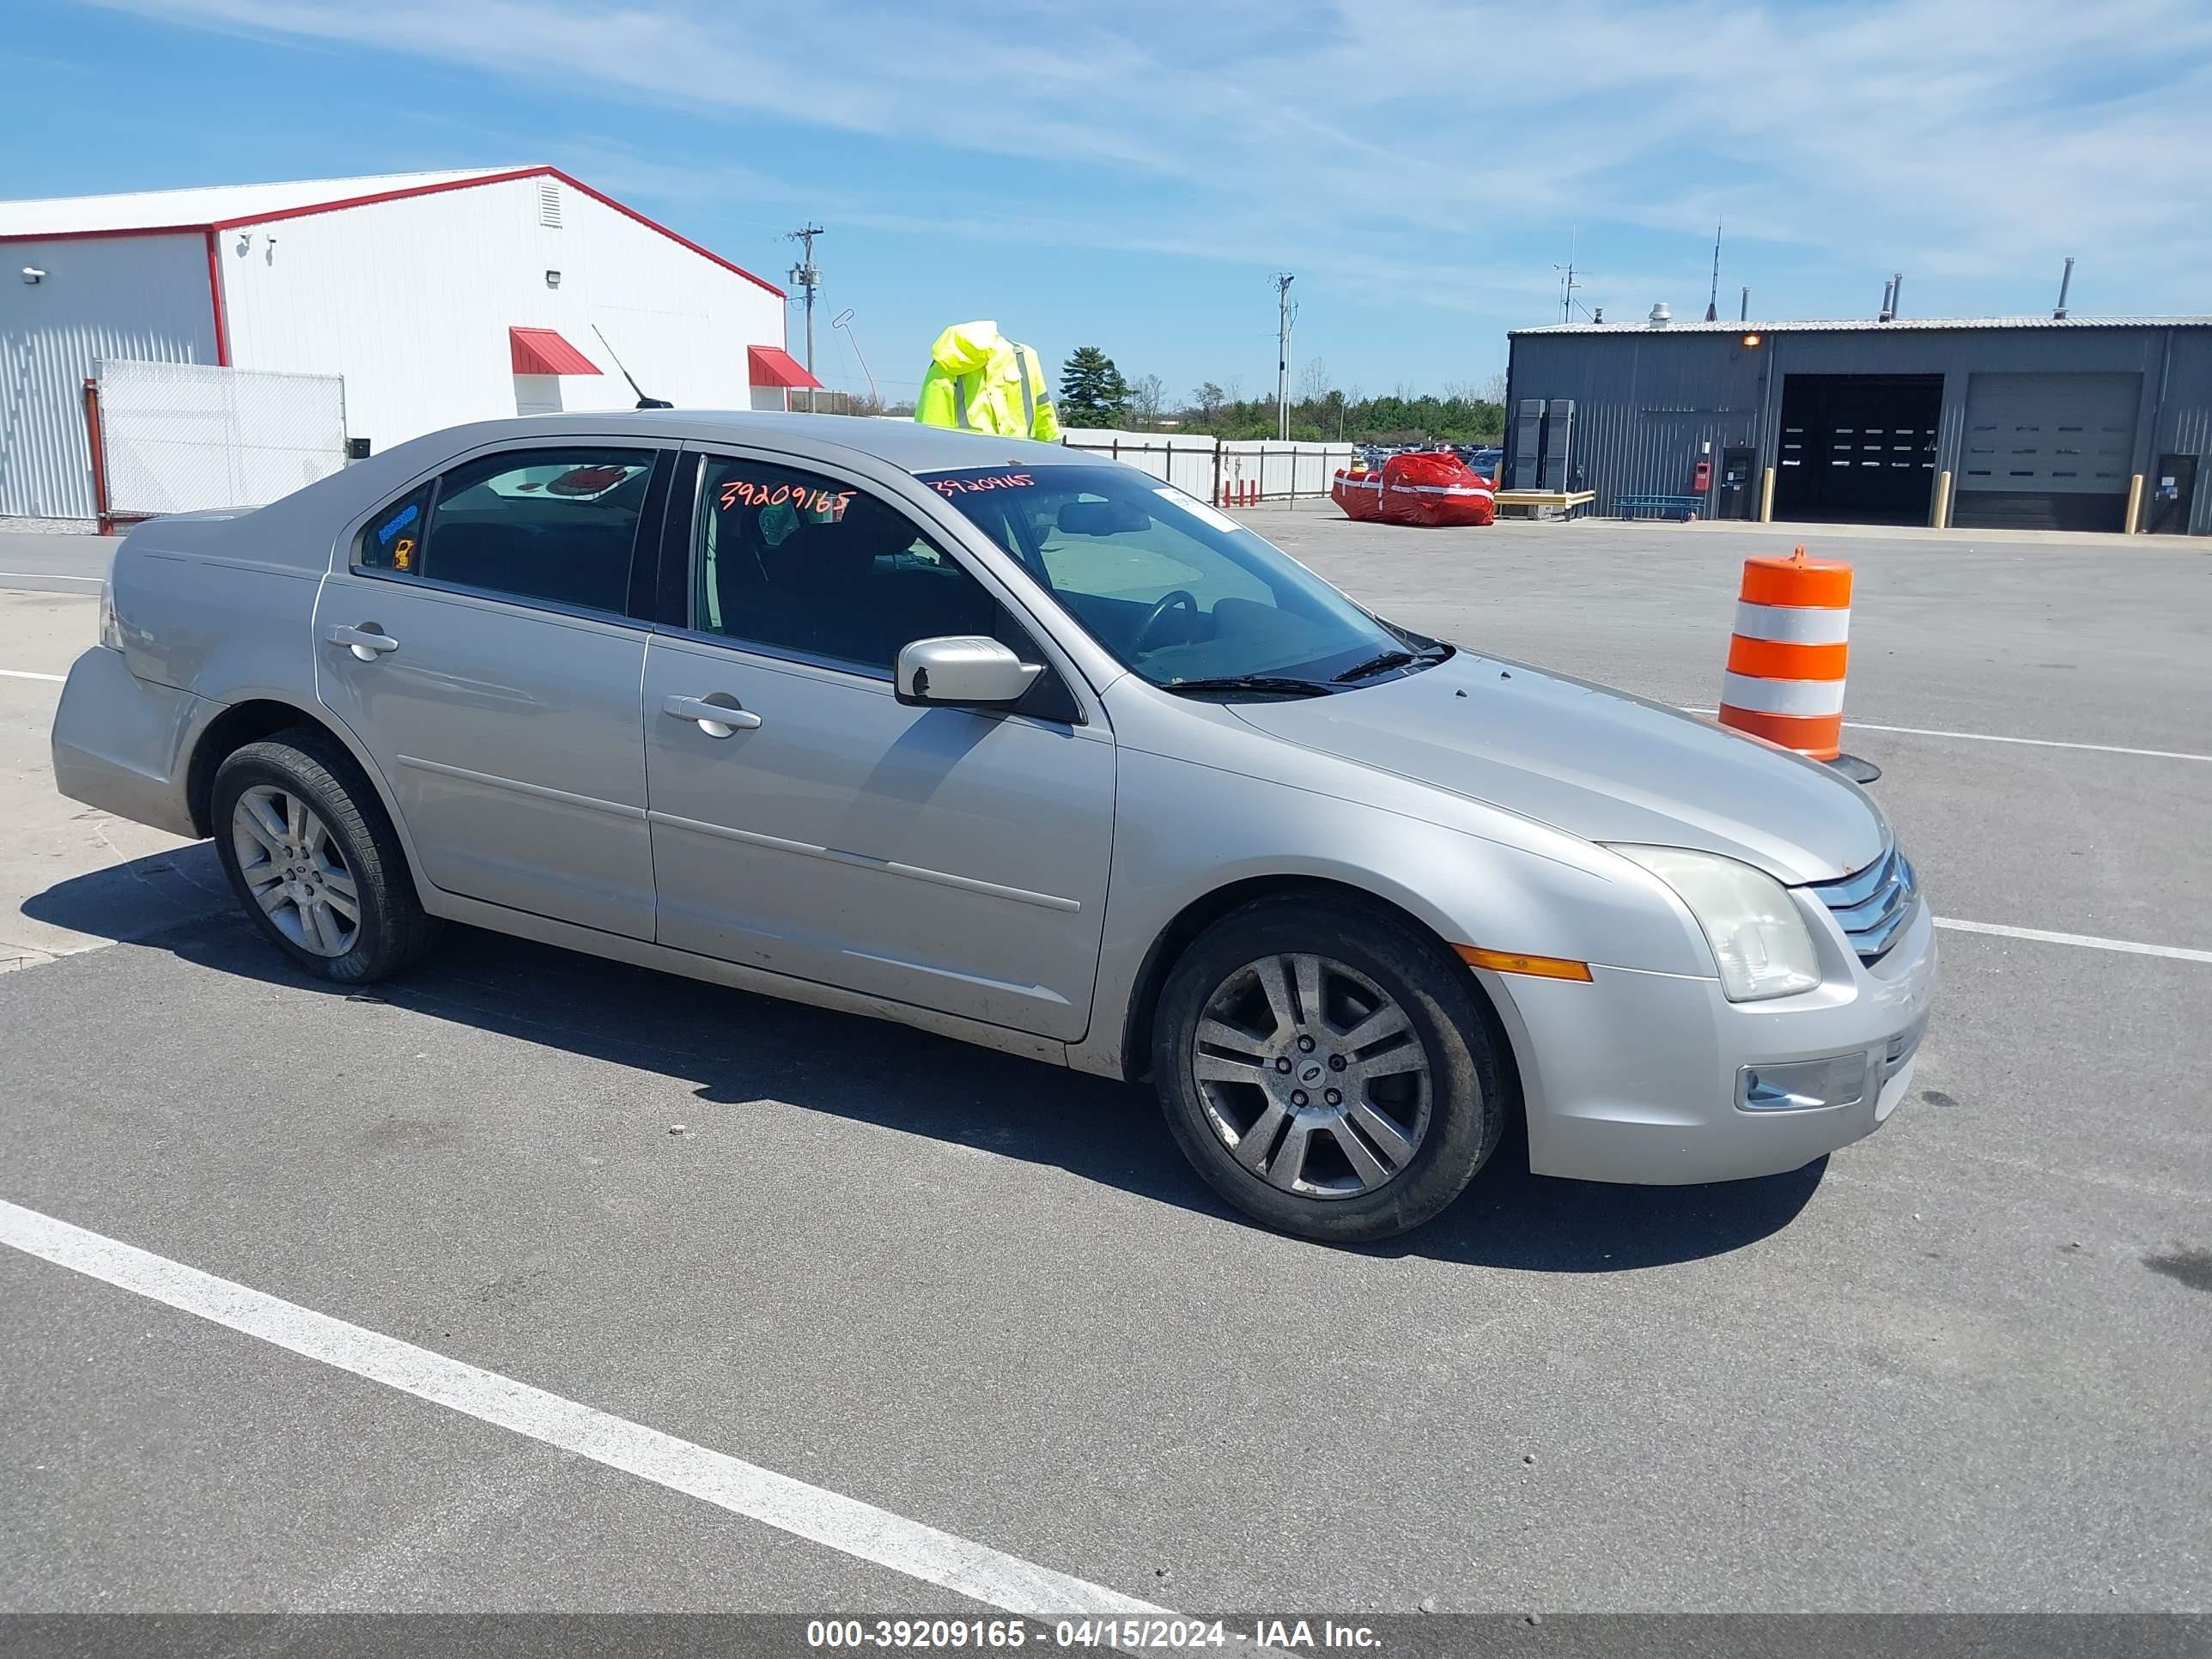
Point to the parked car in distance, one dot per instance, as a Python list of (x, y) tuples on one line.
[(996, 740), (1479, 457)]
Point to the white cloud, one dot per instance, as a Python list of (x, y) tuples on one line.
[(1966, 138)]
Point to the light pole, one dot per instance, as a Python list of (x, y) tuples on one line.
[(844, 319)]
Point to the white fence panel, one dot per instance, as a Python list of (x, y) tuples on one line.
[(1281, 471), (179, 437), (1276, 471), (1185, 461)]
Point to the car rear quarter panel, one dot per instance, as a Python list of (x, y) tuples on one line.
[(220, 607)]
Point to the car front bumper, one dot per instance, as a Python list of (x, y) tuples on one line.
[(1635, 1077)]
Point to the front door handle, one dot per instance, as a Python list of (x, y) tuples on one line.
[(718, 715), (367, 643)]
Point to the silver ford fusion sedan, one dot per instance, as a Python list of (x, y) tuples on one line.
[(989, 739)]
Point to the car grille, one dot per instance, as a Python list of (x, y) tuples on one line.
[(1873, 906)]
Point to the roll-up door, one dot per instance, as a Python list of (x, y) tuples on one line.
[(2047, 451)]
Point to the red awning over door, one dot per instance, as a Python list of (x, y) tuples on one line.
[(773, 365), (542, 351)]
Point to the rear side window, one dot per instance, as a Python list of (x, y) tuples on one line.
[(393, 540), (554, 525)]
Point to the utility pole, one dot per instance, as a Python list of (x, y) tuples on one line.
[(1713, 299), (1285, 313), (1567, 283), (805, 276)]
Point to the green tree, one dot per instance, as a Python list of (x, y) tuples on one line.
[(1091, 390), (1464, 414)]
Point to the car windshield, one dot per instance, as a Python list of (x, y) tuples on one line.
[(1178, 593)]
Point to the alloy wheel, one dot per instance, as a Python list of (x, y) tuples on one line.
[(296, 870), (1312, 1076)]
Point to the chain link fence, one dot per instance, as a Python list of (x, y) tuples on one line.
[(179, 437)]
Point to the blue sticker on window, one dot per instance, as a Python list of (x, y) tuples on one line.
[(400, 522)]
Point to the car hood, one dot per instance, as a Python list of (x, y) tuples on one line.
[(1593, 761)]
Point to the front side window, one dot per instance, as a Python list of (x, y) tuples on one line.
[(555, 525), (796, 562), (1180, 594)]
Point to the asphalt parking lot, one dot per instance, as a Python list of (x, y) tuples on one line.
[(1961, 1366)]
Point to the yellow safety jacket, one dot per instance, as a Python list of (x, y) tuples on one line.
[(980, 381)]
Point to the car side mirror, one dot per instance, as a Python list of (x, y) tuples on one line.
[(964, 671)]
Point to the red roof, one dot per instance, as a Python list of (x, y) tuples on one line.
[(773, 365), (542, 351)]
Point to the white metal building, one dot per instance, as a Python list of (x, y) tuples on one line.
[(436, 297)]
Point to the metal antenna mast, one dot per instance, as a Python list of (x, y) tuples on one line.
[(1713, 299), (805, 276), (1285, 314)]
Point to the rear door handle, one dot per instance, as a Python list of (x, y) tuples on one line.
[(716, 719), (368, 644)]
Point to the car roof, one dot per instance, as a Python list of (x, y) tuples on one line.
[(905, 444)]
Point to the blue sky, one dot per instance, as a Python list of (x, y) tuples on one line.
[(1128, 175)]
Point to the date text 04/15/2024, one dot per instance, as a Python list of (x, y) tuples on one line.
[(1127, 1635)]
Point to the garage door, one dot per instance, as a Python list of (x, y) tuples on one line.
[(2047, 451)]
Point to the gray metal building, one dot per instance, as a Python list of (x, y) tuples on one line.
[(2040, 423)]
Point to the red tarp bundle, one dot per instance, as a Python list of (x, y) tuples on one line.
[(1423, 489)]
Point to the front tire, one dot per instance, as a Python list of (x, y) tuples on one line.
[(314, 860), (1326, 1067)]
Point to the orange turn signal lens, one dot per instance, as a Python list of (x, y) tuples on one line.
[(1509, 962)]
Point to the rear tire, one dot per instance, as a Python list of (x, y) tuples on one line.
[(1328, 1067), (315, 859)]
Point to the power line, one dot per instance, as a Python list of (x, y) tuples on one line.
[(805, 276)]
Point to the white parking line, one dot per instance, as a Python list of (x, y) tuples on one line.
[(26, 674), (2087, 941), (842, 1523), (2039, 743), (47, 576), (1993, 737)]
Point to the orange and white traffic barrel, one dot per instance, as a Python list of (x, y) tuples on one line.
[(1785, 663)]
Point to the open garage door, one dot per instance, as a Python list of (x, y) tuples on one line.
[(1857, 449), (2047, 451)]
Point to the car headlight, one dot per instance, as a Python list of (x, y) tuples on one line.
[(1759, 940)]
